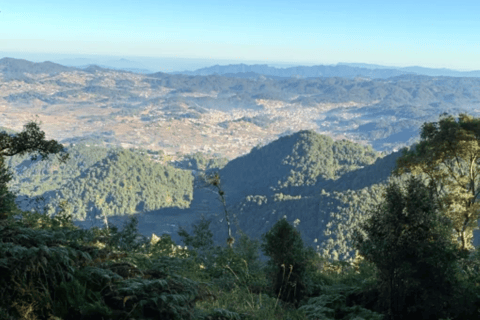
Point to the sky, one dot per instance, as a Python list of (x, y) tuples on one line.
[(439, 34)]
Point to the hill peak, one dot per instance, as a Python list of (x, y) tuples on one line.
[(12, 67), (300, 159)]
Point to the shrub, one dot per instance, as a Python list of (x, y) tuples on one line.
[(409, 241), (289, 260)]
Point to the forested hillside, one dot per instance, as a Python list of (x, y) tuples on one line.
[(326, 187), (305, 176), (335, 196), (325, 206), (297, 160), (96, 181)]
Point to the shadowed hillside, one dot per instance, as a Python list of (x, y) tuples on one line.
[(301, 159), (326, 197)]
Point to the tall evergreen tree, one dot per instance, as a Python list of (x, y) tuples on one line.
[(408, 239)]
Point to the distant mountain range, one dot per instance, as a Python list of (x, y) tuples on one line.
[(121, 64), (342, 70), (107, 63), (16, 69), (433, 72)]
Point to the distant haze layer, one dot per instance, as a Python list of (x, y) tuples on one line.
[(224, 66)]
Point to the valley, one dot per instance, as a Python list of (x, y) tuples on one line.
[(241, 160), (228, 116), (300, 147)]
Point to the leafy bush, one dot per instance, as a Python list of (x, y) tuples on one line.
[(332, 304), (288, 261), (409, 241), (54, 271)]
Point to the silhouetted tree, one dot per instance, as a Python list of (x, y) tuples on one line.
[(289, 261), (409, 241), (30, 140)]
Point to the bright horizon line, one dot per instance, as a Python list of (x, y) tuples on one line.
[(431, 34)]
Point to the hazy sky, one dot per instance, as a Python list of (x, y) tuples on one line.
[(427, 33)]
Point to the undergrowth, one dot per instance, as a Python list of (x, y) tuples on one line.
[(49, 269)]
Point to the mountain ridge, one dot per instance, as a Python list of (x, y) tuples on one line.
[(344, 70), (255, 70), (298, 71)]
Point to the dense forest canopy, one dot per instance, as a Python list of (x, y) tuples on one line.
[(448, 154), (96, 181), (327, 186), (387, 240)]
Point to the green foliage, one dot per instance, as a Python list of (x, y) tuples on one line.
[(52, 173), (7, 198), (99, 182), (50, 269), (466, 302), (200, 243), (29, 141), (316, 156), (238, 279), (76, 298), (236, 275), (227, 267), (342, 290), (247, 250), (219, 314), (165, 246), (35, 261), (448, 154), (288, 262), (59, 271), (202, 235), (242, 304), (238, 267), (126, 183), (298, 160), (165, 298), (128, 238), (332, 304), (355, 208), (409, 242), (257, 197), (200, 161)]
